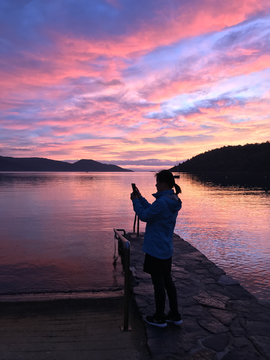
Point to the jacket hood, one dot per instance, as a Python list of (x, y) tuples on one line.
[(171, 199)]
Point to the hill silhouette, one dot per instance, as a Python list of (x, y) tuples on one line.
[(42, 164), (250, 157)]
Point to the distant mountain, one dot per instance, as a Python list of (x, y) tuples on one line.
[(91, 165), (42, 164), (250, 157)]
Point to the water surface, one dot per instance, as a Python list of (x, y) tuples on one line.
[(57, 229)]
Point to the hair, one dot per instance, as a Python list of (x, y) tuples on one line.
[(165, 176)]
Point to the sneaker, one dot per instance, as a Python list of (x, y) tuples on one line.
[(174, 319), (152, 321)]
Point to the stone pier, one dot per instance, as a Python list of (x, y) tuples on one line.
[(221, 320)]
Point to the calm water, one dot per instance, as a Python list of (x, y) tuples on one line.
[(57, 229)]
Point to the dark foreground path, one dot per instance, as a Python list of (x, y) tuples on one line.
[(70, 330), (221, 320)]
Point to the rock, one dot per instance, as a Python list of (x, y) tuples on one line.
[(227, 280), (237, 329), (240, 306), (242, 354), (202, 271), (143, 289), (258, 328), (208, 281), (141, 302), (216, 270), (265, 303), (262, 343), (195, 311), (240, 342), (223, 316), (217, 342), (133, 271), (181, 274), (202, 354), (215, 300), (213, 325)]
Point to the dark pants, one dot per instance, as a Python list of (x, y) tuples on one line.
[(162, 282)]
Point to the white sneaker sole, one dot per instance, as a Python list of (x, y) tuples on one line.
[(156, 324)]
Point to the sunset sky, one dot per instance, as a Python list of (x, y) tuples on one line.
[(143, 84)]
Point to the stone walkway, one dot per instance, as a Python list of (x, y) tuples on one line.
[(221, 320)]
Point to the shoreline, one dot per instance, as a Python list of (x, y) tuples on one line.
[(55, 296)]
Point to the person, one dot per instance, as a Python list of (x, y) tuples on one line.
[(160, 218)]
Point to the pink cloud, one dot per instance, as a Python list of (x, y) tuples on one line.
[(86, 87)]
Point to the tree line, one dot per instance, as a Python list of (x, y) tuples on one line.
[(249, 157)]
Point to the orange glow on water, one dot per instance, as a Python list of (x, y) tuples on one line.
[(64, 228)]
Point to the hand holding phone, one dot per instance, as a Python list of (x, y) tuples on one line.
[(136, 193)]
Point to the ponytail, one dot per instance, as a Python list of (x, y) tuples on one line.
[(177, 188)]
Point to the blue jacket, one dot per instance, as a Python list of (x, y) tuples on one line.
[(160, 218)]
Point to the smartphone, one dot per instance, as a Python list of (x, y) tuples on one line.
[(134, 188)]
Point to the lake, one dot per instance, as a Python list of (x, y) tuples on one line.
[(57, 229)]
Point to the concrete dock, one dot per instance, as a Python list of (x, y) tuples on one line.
[(221, 320), (75, 329)]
